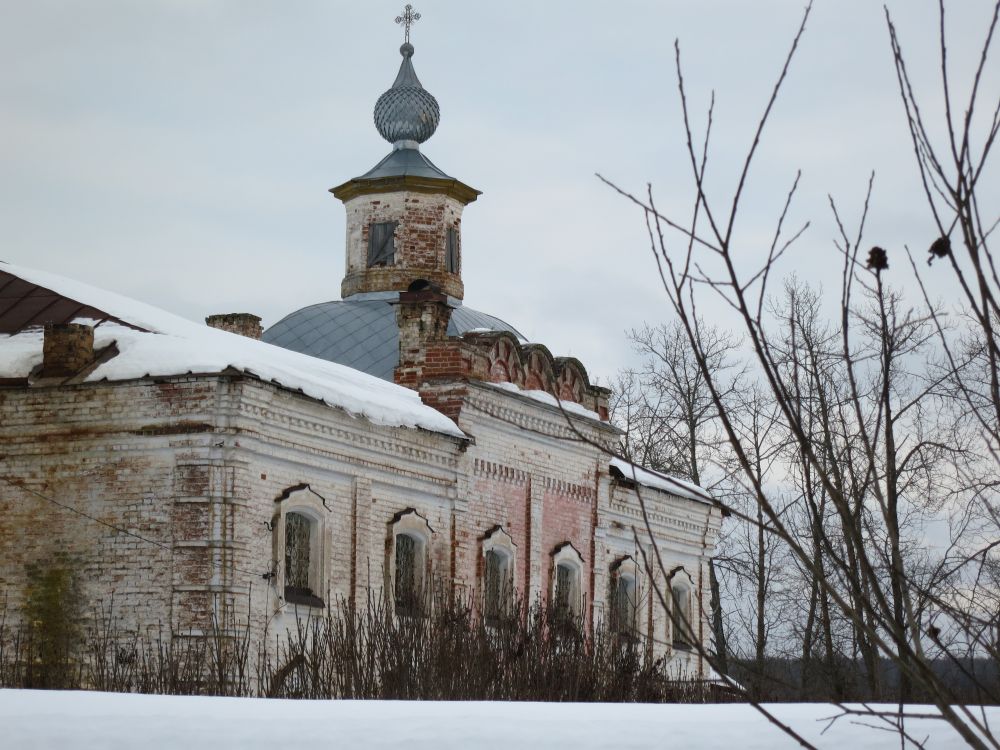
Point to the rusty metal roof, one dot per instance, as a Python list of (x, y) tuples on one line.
[(23, 305)]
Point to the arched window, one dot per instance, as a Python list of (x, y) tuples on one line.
[(300, 547), (623, 604), (408, 566), (409, 579), (566, 586), (498, 576), (297, 553), (567, 575), (680, 603), (496, 585)]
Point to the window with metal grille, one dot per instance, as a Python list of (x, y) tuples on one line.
[(565, 590), (382, 243), (623, 604), (451, 251), (408, 579), (496, 586), (297, 554)]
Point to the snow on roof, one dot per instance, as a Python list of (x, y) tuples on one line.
[(717, 679), (658, 481), (172, 345), (90, 720), (547, 398)]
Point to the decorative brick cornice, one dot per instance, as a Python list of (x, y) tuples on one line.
[(575, 491), (279, 426), (428, 358), (498, 471), (661, 517), (386, 448), (524, 413)]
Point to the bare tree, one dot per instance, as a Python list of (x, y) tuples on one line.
[(751, 558), (669, 419), (864, 545)]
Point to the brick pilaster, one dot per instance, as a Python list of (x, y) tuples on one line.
[(361, 540)]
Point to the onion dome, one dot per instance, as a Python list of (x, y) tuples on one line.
[(407, 111)]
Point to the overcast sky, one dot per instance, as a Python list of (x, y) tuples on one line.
[(180, 151)]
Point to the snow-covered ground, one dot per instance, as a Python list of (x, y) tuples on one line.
[(107, 721)]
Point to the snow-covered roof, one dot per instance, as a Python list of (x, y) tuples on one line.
[(659, 481), (171, 345), (545, 397)]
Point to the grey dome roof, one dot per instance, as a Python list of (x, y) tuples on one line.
[(405, 161), (361, 331), (407, 111)]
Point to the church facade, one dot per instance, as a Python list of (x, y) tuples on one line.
[(383, 444)]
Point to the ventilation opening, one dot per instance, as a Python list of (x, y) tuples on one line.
[(420, 285)]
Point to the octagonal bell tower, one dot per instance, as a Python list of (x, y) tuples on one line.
[(404, 216)]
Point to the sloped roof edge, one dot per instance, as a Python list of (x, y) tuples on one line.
[(153, 342)]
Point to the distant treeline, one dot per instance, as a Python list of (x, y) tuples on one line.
[(974, 681)]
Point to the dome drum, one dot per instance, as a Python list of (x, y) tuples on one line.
[(398, 279), (418, 236)]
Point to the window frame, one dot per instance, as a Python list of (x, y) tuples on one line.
[(377, 258), (567, 556), (625, 568), (497, 541), (681, 581), (411, 524), (304, 503), (451, 250)]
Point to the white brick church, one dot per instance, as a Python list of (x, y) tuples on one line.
[(372, 445)]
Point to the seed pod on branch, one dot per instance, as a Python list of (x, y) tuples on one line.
[(878, 259), (940, 248)]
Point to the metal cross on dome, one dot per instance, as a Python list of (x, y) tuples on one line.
[(408, 19)]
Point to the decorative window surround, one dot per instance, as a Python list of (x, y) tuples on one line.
[(300, 514), (566, 587), (623, 597), (408, 567), (499, 560), (681, 604)]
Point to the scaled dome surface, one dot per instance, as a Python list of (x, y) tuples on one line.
[(407, 111), (361, 332)]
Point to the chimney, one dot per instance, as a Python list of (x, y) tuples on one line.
[(430, 362), (67, 349), (244, 324), (423, 318)]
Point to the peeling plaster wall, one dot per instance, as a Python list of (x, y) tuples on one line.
[(138, 456), (197, 467)]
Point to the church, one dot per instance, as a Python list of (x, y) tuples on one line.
[(383, 444)]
